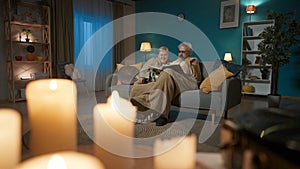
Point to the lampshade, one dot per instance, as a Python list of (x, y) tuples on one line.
[(250, 9), (145, 47), (228, 57)]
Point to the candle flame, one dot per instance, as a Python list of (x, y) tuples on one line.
[(53, 85), (56, 162), (115, 100)]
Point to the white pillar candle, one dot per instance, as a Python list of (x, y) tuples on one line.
[(10, 138), (175, 153), (62, 160), (114, 131), (52, 105)]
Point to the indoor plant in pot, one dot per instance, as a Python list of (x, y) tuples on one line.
[(27, 32), (276, 46)]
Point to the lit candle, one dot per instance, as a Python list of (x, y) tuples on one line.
[(114, 131), (175, 153), (62, 160), (10, 138), (52, 105)]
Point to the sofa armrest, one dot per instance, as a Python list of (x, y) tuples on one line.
[(110, 80), (233, 89)]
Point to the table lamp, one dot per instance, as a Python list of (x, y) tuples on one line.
[(145, 47), (228, 57)]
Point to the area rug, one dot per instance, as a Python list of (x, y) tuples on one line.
[(147, 133)]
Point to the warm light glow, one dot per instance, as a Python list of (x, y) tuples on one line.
[(250, 9), (53, 85), (10, 138), (115, 101), (228, 57), (177, 150), (145, 47), (56, 162)]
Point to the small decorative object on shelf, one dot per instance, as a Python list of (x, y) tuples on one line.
[(248, 88), (257, 60), (265, 73), (30, 57), (18, 58), (40, 58), (27, 32)]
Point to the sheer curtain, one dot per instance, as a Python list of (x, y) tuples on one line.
[(93, 45)]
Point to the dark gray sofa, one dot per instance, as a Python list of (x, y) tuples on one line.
[(222, 100)]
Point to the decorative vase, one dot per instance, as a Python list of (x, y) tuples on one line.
[(18, 58), (257, 60), (30, 57)]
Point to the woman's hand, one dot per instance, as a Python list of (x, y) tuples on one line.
[(140, 80)]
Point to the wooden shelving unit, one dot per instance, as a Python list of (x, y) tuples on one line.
[(19, 16), (251, 74)]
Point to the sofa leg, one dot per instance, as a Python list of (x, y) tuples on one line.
[(213, 117), (225, 114)]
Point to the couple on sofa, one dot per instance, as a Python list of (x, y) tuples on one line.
[(154, 99)]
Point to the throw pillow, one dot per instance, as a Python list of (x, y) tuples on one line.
[(126, 75), (232, 67), (215, 79)]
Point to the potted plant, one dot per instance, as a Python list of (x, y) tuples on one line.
[(277, 43), (264, 70), (27, 32)]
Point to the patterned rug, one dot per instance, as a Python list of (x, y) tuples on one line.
[(148, 132)]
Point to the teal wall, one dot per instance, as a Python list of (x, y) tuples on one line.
[(205, 15)]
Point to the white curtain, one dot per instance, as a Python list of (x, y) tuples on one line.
[(93, 45)]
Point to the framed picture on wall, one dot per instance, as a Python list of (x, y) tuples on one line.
[(229, 13)]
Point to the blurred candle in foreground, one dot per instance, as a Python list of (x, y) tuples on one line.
[(10, 138), (175, 153), (52, 105), (114, 132), (62, 160)]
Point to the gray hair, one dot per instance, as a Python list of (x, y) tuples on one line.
[(187, 45)]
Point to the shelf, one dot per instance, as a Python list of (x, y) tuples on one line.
[(29, 62), (30, 43), (251, 38), (27, 24), (20, 99), (263, 22), (258, 66), (20, 81), (31, 5), (254, 93), (251, 52), (256, 81)]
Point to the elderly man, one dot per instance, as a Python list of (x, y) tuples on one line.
[(156, 97)]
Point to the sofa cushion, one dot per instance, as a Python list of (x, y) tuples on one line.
[(197, 99), (127, 72), (215, 79)]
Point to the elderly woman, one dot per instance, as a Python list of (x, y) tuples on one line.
[(156, 97), (161, 59)]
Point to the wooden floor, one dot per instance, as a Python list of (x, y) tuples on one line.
[(248, 103)]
